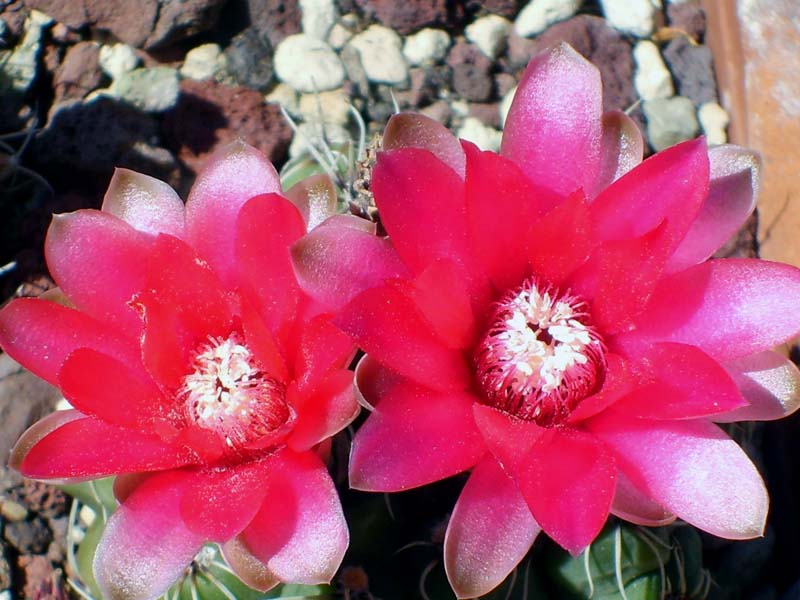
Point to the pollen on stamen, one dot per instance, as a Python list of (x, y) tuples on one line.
[(228, 392), (539, 356)]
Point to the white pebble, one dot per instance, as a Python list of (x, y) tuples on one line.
[(427, 46), (118, 59), (203, 62), (287, 97), (312, 132), (318, 17), (714, 120), (538, 15), (339, 36), (489, 34), (380, 50), (485, 138), (652, 79), (636, 17), (333, 107), (308, 64)]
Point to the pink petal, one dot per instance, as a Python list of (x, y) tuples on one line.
[(553, 129), (669, 186), (735, 181), (263, 344), (387, 324), (322, 348), (490, 531), (620, 277), (561, 240), (415, 436), (97, 260), (247, 567), (509, 439), (40, 335), (439, 293), (232, 176), (331, 408), (300, 532), (501, 206), (373, 381), (680, 382), (335, 263), (146, 546), (315, 198), (145, 203), (632, 505), (34, 434), (619, 380), (421, 203), (622, 149), (568, 480), (771, 384), (413, 130), (691, 468), (219, 503), (88, 448), (728, 308), (265, 229), (101, 386)]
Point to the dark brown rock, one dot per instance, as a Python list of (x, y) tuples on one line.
[(249, 59), (5, 571), (145, 23), (276, 19), (487, 113), (605, 48), (504, 8), (13, 14), (692, 69), (28, 537), (42, 581), (688, 17), (79, 72), (424, 88), (472, 79), (210, 114), (407, 16)]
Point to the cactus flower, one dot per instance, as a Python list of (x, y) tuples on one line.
[(200, 374), (548, 318)]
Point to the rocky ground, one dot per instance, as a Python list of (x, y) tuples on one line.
[(156, 85)]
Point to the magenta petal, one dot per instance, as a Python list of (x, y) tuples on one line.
[(40, 335), (553, 130), (622, 148), (413, 130), (771, 384), (230, 177), (335, 263), (692, 469), (145, 203), (331, 407), (373, 381), (668, 188), (300, 532), (247, 567), (219, 503), (37, 431), (99, 385), (632, 505), (490, 531), (322, 349), (388, 325), (265, 229), (146, 546), (88, 448), (97, 261), (421, 203), (728, 308), (680, 382), (568, 480), (413, 437), (315, 198), (732, 193)]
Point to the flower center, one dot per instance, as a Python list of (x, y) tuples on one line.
[(227, 392), (540, 355)]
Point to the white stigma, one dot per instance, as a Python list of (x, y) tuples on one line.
[(227, 392), (538, 357), (540, 341)]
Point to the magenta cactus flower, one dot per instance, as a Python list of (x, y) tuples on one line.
[(548, 317), (199, 372)]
